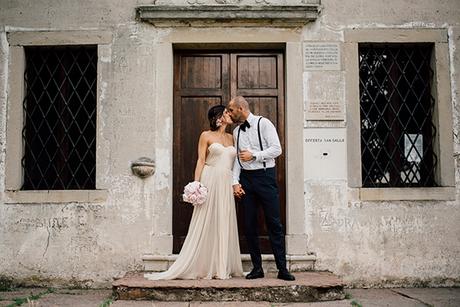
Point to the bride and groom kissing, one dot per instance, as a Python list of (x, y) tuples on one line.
[(239, 166)]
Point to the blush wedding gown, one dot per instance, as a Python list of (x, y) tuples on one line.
[(211, 248)]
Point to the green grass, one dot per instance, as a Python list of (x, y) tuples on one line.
[(106, 303), (18, 301), (356, 304)]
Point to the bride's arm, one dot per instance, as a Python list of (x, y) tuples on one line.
[(202, 147)]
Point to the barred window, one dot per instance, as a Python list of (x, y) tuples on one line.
[(396, 107), (59, 131)]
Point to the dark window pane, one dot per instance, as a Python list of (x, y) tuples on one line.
[(60, 118), (397, 130)]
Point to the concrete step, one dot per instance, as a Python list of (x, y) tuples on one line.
[(308, 287), (295, 263)]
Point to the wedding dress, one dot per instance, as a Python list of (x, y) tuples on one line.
[(211, 248)]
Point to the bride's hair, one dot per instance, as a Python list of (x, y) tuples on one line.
[(214, 114)]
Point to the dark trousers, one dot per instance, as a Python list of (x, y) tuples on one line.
[(261, 185)]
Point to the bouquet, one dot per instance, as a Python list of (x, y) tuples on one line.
[(195, 193)]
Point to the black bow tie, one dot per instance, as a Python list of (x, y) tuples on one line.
[(245, 125)]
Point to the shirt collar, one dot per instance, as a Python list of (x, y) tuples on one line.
[(251, 118)]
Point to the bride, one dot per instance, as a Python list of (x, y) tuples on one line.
[(211, 248)]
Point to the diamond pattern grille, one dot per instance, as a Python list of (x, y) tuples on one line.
[(396, 106), (59, 132)]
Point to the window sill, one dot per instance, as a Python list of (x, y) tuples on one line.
[(437, 193), (55, 196)]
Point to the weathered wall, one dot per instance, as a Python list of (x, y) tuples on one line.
[(88, 244), (384, 242)]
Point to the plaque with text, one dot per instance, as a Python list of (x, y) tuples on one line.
[(321, 56), (324, 110), (325, 153)]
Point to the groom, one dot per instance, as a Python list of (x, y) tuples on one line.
[(254, 177)]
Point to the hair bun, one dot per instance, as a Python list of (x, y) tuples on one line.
[(214, 114), (215, 110)]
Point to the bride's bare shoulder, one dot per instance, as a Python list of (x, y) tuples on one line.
[(205, 135)]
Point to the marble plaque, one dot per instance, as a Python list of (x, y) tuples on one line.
[(325, 153), (321, 56), (324, 110)]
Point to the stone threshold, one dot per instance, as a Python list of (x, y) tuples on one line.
[(295, 263), (308, 287)]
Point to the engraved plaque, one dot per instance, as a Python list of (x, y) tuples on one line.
[(324, 110), (321, 56)]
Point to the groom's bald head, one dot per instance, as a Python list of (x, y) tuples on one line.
[(240, 102)]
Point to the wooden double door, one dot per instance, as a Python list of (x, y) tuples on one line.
[(206, 78)]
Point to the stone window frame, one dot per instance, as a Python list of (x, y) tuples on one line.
[(441, 91), (14, 144)]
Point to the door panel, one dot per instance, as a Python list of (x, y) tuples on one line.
[(256, 72), (201, 72), (203, 79), (259, 77)]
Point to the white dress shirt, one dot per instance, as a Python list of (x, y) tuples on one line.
[(249, 140)]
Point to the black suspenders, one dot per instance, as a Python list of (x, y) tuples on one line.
[(238, 143)]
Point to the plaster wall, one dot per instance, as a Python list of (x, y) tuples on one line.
[(385, 242), (370, 243)]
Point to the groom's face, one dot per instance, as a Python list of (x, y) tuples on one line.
[(236, 113)]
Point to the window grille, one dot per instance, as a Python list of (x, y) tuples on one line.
[(396, 107), (59, 132)]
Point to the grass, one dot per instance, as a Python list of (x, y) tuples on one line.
[(356, 304), (106, 303), (18, 301)]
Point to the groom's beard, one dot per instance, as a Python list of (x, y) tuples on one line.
[(235, 121)]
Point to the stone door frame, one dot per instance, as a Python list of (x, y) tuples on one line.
[(161, 238)]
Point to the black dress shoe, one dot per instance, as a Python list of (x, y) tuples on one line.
[(285, 275), (255, 273)]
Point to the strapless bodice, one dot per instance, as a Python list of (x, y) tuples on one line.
[(221, 156)]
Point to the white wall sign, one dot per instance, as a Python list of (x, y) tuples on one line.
[(325, 110), (321, 56), (325, 153)]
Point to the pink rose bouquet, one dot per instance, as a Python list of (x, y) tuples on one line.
[(195, 193)]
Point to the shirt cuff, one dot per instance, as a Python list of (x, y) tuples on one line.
[(257, 156), (235, 182)]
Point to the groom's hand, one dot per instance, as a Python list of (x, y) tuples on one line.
[(246, 155), (238, 191)]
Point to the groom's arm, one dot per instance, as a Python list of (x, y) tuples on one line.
[(236, 165), (269, 134)]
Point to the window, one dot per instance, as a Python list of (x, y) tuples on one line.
[(59, 131), (396, 115)]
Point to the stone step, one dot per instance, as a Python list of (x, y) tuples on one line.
[(308, 287), (295, 263)]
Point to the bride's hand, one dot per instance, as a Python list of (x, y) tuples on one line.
[(238, 191)]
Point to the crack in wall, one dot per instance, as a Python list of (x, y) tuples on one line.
[(47, 241), (412, 298)]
